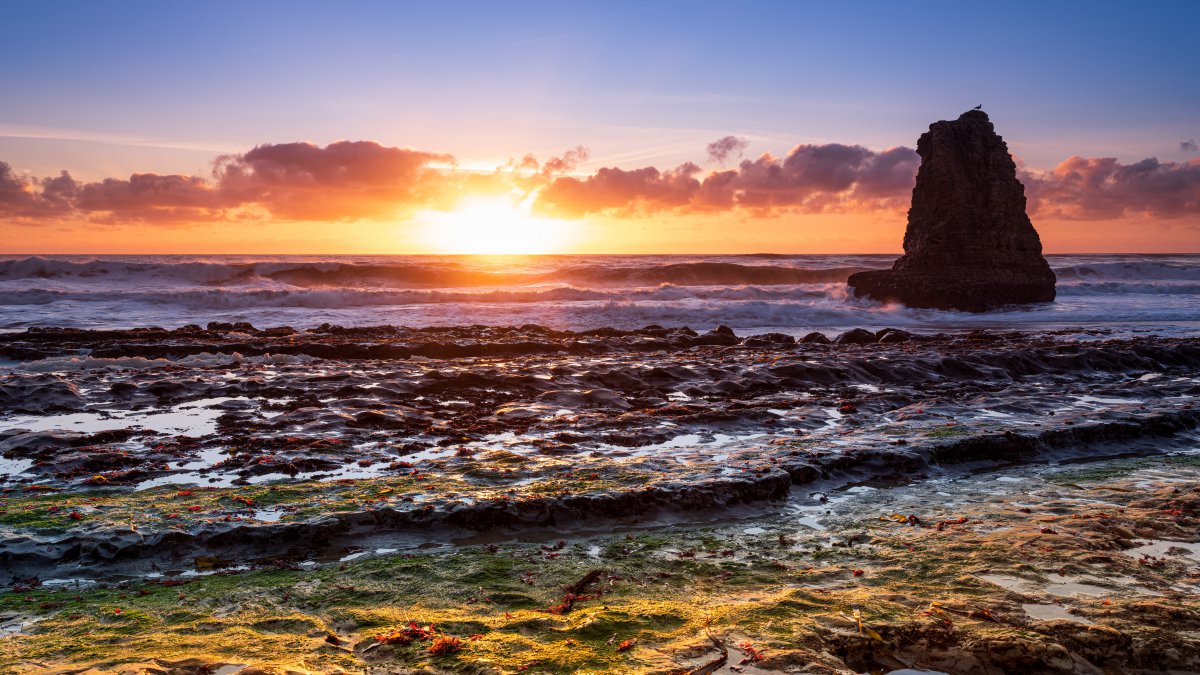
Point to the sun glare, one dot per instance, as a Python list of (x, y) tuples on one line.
[(492, 226)]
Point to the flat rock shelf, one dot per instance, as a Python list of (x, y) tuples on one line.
[(480, 499)]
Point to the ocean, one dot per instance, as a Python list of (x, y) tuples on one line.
[(750, 293)]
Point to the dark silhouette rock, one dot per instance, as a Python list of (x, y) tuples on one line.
[(855, 336), (722, 336), (969, 244), (767, 339), (893, 335)]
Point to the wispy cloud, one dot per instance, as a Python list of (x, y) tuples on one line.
[(90, 136)]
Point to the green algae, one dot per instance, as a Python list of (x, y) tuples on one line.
[(181, 506), (951, 431), (1120, 468), (662, 593)]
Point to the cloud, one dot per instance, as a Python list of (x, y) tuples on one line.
[(850, 178), (1188, 146), (347, 180), (355, 180), (22, 197), (144, 197), (148, 197), (564, 163), (720, 149), (627, 192), (14, 191), (811, 178), (1104, 188), (342, 181)]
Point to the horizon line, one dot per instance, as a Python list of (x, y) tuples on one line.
[(548, 255)]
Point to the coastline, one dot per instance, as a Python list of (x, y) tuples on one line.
[(234, 460)]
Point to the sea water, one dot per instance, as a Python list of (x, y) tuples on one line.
[(749, 293)]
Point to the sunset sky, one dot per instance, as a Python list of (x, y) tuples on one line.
[(354, 127)]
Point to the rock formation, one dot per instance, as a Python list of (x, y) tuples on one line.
[(969, 244)]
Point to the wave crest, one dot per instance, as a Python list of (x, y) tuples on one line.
[(438, 274)]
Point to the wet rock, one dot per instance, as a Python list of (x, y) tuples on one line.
[(289, 466), (591, 398), (166, 388), (815, 338), (24, 442), (94, 460), (720, 337), (38, 394), (892, 335), (969, 245), (767, 339), (391, 419), (450, 351), (857, 336), (225, 327)]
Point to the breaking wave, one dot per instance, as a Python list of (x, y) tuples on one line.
[(352, 297), (780, 292), (438, 273)]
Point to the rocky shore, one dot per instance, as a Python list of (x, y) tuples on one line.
[(267, 459), (1051, 570)]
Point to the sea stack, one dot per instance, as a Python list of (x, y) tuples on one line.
[(969, 245)]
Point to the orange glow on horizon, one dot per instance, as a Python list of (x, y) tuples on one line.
[(501, 225), (493, 226)]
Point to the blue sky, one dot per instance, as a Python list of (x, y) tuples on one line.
[(167, 85)]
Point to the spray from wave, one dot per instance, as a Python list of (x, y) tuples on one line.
[(776, 292)]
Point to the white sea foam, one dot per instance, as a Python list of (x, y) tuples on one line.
[(748, 293)]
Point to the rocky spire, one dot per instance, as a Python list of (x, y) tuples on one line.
[(969, 244)]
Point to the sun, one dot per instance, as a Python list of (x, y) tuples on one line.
[(492, 226)]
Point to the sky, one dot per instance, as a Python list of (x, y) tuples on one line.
[(399, 127)]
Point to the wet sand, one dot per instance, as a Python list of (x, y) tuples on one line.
[(727, 489)]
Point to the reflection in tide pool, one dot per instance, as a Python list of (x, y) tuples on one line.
[(194, 418)]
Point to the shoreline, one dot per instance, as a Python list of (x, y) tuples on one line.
[(232, 460)]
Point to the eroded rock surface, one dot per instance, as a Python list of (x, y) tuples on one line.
[(969, 244), (257, 452)]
